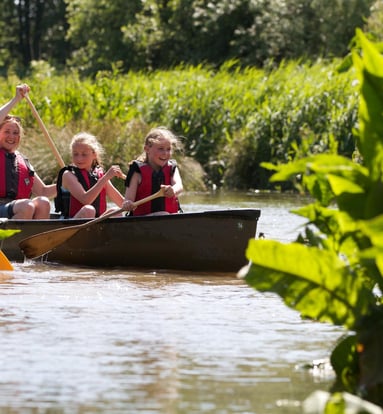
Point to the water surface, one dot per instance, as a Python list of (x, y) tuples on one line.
[(79, 340)]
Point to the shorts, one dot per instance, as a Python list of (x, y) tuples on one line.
[(6, 210)]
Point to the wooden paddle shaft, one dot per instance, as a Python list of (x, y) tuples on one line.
[(137, 203), (45, 131), (47, 136)]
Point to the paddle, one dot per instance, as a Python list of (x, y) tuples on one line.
[(41, 243), (5, 264), (45, 131)]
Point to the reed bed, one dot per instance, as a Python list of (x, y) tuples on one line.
[(229, 121)]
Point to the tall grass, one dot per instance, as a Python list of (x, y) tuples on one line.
[(229, 120)]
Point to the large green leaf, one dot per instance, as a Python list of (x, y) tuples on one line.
[(341, 185), (321, 163), (326, 176), (345, 363), (373, 229), (371, 259), (370, 72), (373, 204), (333, 223), (315, 282)]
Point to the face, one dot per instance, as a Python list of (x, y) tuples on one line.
[(83, 156), (10, 136), (159, 153)]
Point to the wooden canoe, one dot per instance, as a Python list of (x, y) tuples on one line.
[(200, 241)]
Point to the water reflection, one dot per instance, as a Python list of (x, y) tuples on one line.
[(77, 340)]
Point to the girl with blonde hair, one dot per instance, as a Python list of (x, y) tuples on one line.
[(153, 170), (85, 180)]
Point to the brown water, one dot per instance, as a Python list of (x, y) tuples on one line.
[(78, 340)]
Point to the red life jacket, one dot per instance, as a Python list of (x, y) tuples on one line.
[(148, 187), (87, 181), (25, 177)]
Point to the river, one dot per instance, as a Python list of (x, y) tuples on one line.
[(79, 340)]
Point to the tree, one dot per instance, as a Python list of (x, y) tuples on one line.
[(8, 43), (32, 30), (95, 33)]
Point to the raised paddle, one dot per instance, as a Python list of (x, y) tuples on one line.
[(47, 136), (41, 243), (45, 131)]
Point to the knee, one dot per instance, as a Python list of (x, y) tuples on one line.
[(86, 211), (23, 209), (42, 207), (43, 201)]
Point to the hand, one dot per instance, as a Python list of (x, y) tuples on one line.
[(22, 90), (168, 190), (115, 171), (128, 205)]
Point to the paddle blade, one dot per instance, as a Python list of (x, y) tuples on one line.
[(39, 244), (5, 264)]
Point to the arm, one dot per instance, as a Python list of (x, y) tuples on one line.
[(114, 194), (41, 189), (71, 183), (21, 90), (131, 192), (177, 183)]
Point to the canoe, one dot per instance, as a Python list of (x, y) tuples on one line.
[(199, 241)]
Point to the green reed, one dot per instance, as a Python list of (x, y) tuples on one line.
[(229, 120)]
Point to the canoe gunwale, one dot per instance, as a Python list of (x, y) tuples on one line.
[(212, 240)]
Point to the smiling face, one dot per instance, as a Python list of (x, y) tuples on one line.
[(83, 156), (158, 152), (10, 135)]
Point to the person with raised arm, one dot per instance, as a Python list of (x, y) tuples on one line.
[(18, 180)]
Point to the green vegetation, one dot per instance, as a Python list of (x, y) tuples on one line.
[(242, 81), (231, 119), (252, 87), (94, 35), (334, 271)]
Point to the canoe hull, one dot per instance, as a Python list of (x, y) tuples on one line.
[(204, 241)]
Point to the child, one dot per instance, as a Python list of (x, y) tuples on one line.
[(151, 171), (86, 182), (18, 180)]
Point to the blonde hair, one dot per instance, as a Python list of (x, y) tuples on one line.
[(13, 120), (157, 134), (91, 141)]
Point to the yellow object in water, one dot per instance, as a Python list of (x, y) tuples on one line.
[(5, 264)]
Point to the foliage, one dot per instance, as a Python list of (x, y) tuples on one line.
[(230, 119), (160, 34), (96, 35), (32, 30), (374, 21), (299, 109), (334, 271)]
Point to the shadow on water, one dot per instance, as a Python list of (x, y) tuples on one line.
[(80, 340)]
